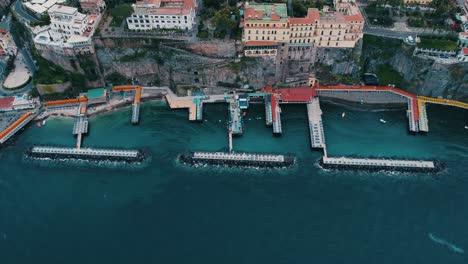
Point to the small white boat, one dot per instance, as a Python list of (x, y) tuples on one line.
[(43, 122), (343, 114), (466, 127), (383, 121)]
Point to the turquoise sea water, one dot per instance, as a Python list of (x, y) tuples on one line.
[(164, 212)]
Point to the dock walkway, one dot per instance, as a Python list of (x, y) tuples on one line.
[(16, 126), (235, 124), (85, 151), (384, 163), (268, 111), (422, 122), (276, 115), (317, 136), (238, 156), (413, 117)]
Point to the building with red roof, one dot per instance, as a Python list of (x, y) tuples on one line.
[(267, 23)]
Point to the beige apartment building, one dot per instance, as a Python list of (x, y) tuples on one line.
[(267, 26)]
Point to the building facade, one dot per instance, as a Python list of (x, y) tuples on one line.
[(464, 7), (69, 33), (7, 44), (417, 2), (162, 14), (93, 6), (463, 39), (267, 25)]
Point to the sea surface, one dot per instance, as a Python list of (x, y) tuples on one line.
[(165, 212)]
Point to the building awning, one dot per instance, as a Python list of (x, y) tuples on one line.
[(260, 43)]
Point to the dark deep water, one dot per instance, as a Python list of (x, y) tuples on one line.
[(164, 212)]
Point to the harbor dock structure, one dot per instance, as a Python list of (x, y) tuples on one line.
[(80, 127), (136, 106), (375, 95), (124, 88), (443, 102), (66, 102), (268, 111), (194, 105), (276, 114), (237, 159), (314, 113), (135, 118), (381, 164), (85, 153), (16, 126), (413, 115), (238, 156), (235, 123), (423, 122)]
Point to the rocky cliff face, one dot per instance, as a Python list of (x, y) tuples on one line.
[(213, 64), (430, 78), (421, 76), (172, 66)]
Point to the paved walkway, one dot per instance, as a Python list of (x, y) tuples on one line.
[(19, 75)]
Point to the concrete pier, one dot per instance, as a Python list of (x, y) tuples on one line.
[(276, 115), (422, 122), (135, 113), (412, 116), (317, 136), (378, 163), (88, 153), (235, 124), (81, 125), (268, 111), (238, 156)]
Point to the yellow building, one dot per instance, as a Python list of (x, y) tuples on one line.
[(267, 25)]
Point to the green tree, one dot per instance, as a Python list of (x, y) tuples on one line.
[(223, 21)]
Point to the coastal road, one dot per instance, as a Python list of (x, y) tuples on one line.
[(21, 12)]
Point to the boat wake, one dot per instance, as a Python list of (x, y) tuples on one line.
[(443, 242)]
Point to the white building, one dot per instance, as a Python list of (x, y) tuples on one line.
[(7, 44), (463, 55), (67, 21), (70, 32), (159, 14), (40, 7)]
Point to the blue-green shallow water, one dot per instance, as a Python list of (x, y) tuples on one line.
[(169, 213)]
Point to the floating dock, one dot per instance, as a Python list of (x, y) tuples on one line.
[(314, 113), (85, 153), (276, 115), (15, 127), (380, 164), (237, 159)]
